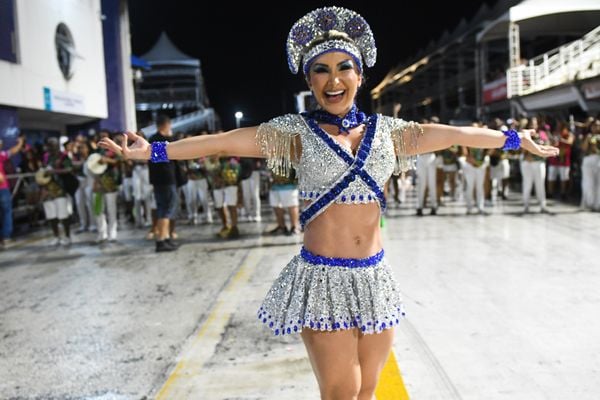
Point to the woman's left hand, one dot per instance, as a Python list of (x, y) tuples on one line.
[(527, 143)]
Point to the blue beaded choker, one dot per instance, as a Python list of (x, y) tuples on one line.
[(351, 120)]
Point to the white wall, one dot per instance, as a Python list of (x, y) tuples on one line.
[(21, 84)]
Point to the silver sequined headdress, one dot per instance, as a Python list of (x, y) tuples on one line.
[(313, 25)]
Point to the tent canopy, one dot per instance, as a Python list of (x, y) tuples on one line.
[(165, 52)]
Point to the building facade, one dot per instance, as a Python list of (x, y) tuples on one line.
[(64, 68)]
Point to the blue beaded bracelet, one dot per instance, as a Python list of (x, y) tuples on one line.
[(513, 141), (158, 152)]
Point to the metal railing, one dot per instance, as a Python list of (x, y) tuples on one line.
[(573, 61), (167, 95), (188, 121)]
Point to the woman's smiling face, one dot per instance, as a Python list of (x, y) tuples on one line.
[(334, 80)]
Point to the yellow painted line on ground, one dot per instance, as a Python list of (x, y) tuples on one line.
[(391, 385), (181, 382)]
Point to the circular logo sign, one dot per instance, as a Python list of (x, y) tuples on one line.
[(65, 50)]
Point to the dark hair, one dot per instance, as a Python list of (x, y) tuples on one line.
[(162, 120)]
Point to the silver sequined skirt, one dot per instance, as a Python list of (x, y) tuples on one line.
[(330, 294)]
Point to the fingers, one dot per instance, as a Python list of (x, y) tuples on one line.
[(125, 136), (548, 151), (132, 136), (107, 143)]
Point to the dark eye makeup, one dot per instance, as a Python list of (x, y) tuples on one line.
[(343, 66)]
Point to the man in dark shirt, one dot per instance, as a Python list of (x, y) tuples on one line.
[(162, 177)]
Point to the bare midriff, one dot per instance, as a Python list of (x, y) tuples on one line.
[(344, 230)]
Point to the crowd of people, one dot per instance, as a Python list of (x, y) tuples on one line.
[(480, 177), (76, 182)]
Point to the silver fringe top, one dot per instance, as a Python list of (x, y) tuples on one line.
[(317, 164)]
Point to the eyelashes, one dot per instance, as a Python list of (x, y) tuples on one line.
[(344, 66)]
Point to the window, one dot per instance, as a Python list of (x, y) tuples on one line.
[(8, 38)]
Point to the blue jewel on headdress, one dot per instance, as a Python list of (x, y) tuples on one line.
[(326, 19), (300, 48), (301, 34), (355, 27)]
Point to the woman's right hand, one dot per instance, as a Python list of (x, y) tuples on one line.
[(139, 150)]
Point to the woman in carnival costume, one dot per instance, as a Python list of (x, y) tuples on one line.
[(338, 292)]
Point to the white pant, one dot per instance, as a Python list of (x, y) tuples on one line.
[(404, 183), (558, 171), (83, 198), (225, 196), (140, 182), (59, 207), (474, 180), (251, 194), (284, 198), (534, 173), (500, 171), (590, 182), (143, 195), (426, 177), (127, 189), (109, 204), (197, 191)]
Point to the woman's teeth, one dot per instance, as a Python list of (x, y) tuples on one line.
[(334, 96)]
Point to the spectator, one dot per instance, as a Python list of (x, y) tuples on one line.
[(426, 179), (533, 170), (590, 169), (31, 163), (163, 179), (284, 196), (57, 205), (197, 192), (224, 175), (474, 164), (106, 187), (5, 194), (559, 166), (83, 195), (450, 168), (250, 183)]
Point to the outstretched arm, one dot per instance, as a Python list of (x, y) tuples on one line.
[(438, 137), (238, 142), (17, 147)]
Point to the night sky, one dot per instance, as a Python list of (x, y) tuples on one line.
[(242, 47)]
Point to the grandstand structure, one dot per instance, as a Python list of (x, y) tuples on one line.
[(171, 82), (516, 58)]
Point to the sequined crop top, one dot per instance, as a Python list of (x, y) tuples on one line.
[(327, 171)]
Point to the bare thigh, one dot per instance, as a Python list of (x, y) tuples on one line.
[(373, 352), (335, 361)]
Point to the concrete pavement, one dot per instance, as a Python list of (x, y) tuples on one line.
[(499, 307)]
